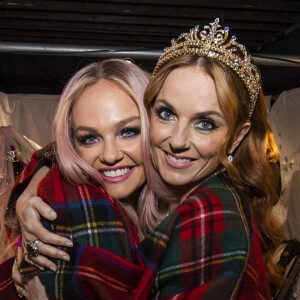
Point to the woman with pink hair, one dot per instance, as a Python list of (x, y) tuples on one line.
[(207, 214), (96, 174)]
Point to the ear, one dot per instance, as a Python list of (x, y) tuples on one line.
[(243, 131)]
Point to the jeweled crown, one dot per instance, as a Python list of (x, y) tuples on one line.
[(213, 42)]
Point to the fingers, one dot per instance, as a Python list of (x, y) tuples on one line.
[(31, 226), (37, 230), (46, 250), (16, 275), (41, 262), (43, 209)]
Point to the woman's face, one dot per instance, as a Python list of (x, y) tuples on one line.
[(187, 127), (107, 135)]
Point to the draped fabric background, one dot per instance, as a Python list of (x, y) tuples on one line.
[(284, 117), (15, 151), (30, 114)]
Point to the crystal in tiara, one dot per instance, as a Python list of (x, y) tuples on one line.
[(213, 42)]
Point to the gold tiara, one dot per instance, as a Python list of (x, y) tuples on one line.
[(213, 42)]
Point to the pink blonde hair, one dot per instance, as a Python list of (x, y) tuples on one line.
[(127, 76)]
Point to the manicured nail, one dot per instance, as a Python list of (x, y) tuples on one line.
[(69, 244), (66, 258), (53, 214), (53, 269)]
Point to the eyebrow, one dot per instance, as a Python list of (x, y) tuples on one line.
[(166, 103), (196, 115), (120, 124), (126, 121)]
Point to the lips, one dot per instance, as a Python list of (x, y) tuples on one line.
[(178, 162), (117, 174)]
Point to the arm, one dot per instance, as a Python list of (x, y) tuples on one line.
[(29, 208)]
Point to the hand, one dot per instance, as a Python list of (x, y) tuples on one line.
[(29, 207), (29, 287)]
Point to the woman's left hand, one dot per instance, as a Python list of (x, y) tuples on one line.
[(29, 287)]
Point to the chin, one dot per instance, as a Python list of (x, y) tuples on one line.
[(175, 180)]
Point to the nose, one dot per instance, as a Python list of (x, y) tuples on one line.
[(180, 137), (111, 152)]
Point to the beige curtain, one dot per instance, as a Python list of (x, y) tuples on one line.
[(30, 115), (285, 121), (14, 149)]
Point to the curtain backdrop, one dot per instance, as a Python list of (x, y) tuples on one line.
[(285, 122), (30, 115)]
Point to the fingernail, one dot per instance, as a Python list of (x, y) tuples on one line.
[(53, 214), (41, 268), (66, 258), (53, 269), (69, 244)]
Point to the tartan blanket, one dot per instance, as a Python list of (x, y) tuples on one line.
[(208, 248), (104, 262)]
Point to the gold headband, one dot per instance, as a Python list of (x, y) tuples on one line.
[(213, 42)]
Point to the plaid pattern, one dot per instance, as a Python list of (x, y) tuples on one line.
[(103, 262), (208, 248)]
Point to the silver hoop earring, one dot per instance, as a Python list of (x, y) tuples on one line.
[(230, 158)]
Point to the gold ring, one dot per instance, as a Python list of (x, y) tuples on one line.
[(19, 291)]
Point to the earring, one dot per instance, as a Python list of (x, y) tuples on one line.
[(230, 158)]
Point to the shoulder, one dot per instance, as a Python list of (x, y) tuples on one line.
[(215, 207), (215, 194)]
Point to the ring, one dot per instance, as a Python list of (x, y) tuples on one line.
[(32, 249), (19, 291)]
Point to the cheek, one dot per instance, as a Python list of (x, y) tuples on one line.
[(134, 150), (158, 132), (88, 155), (208, 147)]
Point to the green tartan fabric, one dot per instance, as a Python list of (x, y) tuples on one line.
[(208, 248), (104, 262)]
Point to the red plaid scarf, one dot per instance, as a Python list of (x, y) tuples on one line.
[(103, 262), (208, 248)]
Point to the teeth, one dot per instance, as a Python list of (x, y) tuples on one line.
[(116, 173), (179, 160)]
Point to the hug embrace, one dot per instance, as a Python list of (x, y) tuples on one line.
[(160, 187)]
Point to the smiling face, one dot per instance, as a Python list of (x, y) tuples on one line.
[(107, 135), (187, 128)]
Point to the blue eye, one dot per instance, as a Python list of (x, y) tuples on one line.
[(164, 114), (206, 125), (87, 140), (130, 132)]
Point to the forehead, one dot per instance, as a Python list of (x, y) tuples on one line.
[(103, 102), (190, 88)]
